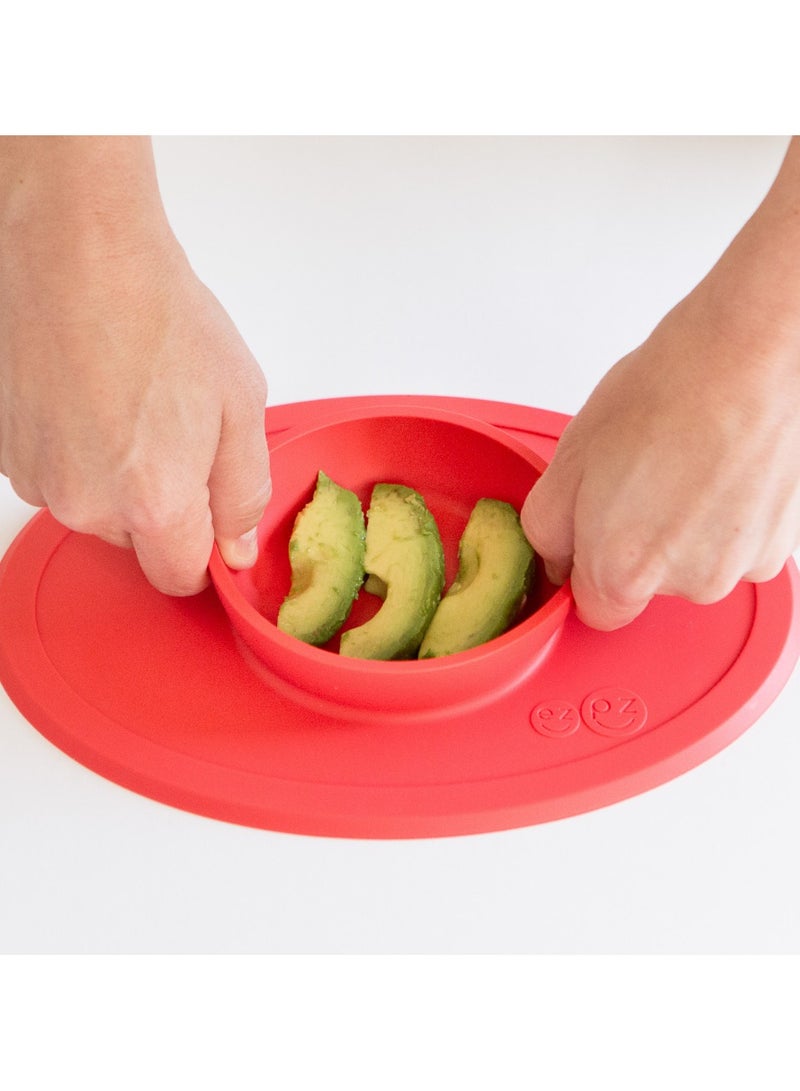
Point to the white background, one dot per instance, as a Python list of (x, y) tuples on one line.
[(511, 268)]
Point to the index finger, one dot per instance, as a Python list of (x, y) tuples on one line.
[(175, 558), (608, 610), (547, 521)]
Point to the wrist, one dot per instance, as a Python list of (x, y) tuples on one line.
[(82, 222), (79, 195), (754, 290)]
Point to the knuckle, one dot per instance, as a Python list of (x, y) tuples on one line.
[(157, 510), (150, 516), (627, 578)]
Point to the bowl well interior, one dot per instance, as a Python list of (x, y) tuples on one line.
[(453, 461), (451, 464)]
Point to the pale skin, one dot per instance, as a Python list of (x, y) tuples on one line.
[(130, 405), (681, 474)]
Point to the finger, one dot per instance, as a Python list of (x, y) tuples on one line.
[(605, 610), (77, 517), (240, 485), (27, 492), (175, 558), (765, 571), (548, 522)]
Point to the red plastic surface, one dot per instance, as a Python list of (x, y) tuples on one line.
[(160, 695)]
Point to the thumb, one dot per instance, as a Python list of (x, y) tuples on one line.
[(548, 520), (240, 486)]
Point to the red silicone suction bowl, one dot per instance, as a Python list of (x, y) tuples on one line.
[(453, 460), (162, 696)]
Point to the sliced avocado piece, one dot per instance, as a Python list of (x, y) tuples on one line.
[(405, 565), (326, 552), (495, 565)]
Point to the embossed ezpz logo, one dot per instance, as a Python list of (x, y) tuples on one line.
[(613, 711)]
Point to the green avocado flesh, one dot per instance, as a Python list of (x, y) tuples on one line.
[(326, 553), (405, 565), (495, 565)]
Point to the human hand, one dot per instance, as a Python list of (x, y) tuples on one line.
[(129, 404), (681, 474)]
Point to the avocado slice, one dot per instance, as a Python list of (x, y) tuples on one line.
[(326, 552), (495, 566), (405, 565)]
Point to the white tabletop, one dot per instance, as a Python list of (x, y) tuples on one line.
[(514, 269)]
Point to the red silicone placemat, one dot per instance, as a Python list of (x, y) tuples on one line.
[(156, 694)]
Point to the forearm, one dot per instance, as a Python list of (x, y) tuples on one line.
[(95, 178), (83, 236), (80, 195), (752, 294)]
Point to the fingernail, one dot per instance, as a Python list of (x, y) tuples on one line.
[(244, 550)]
